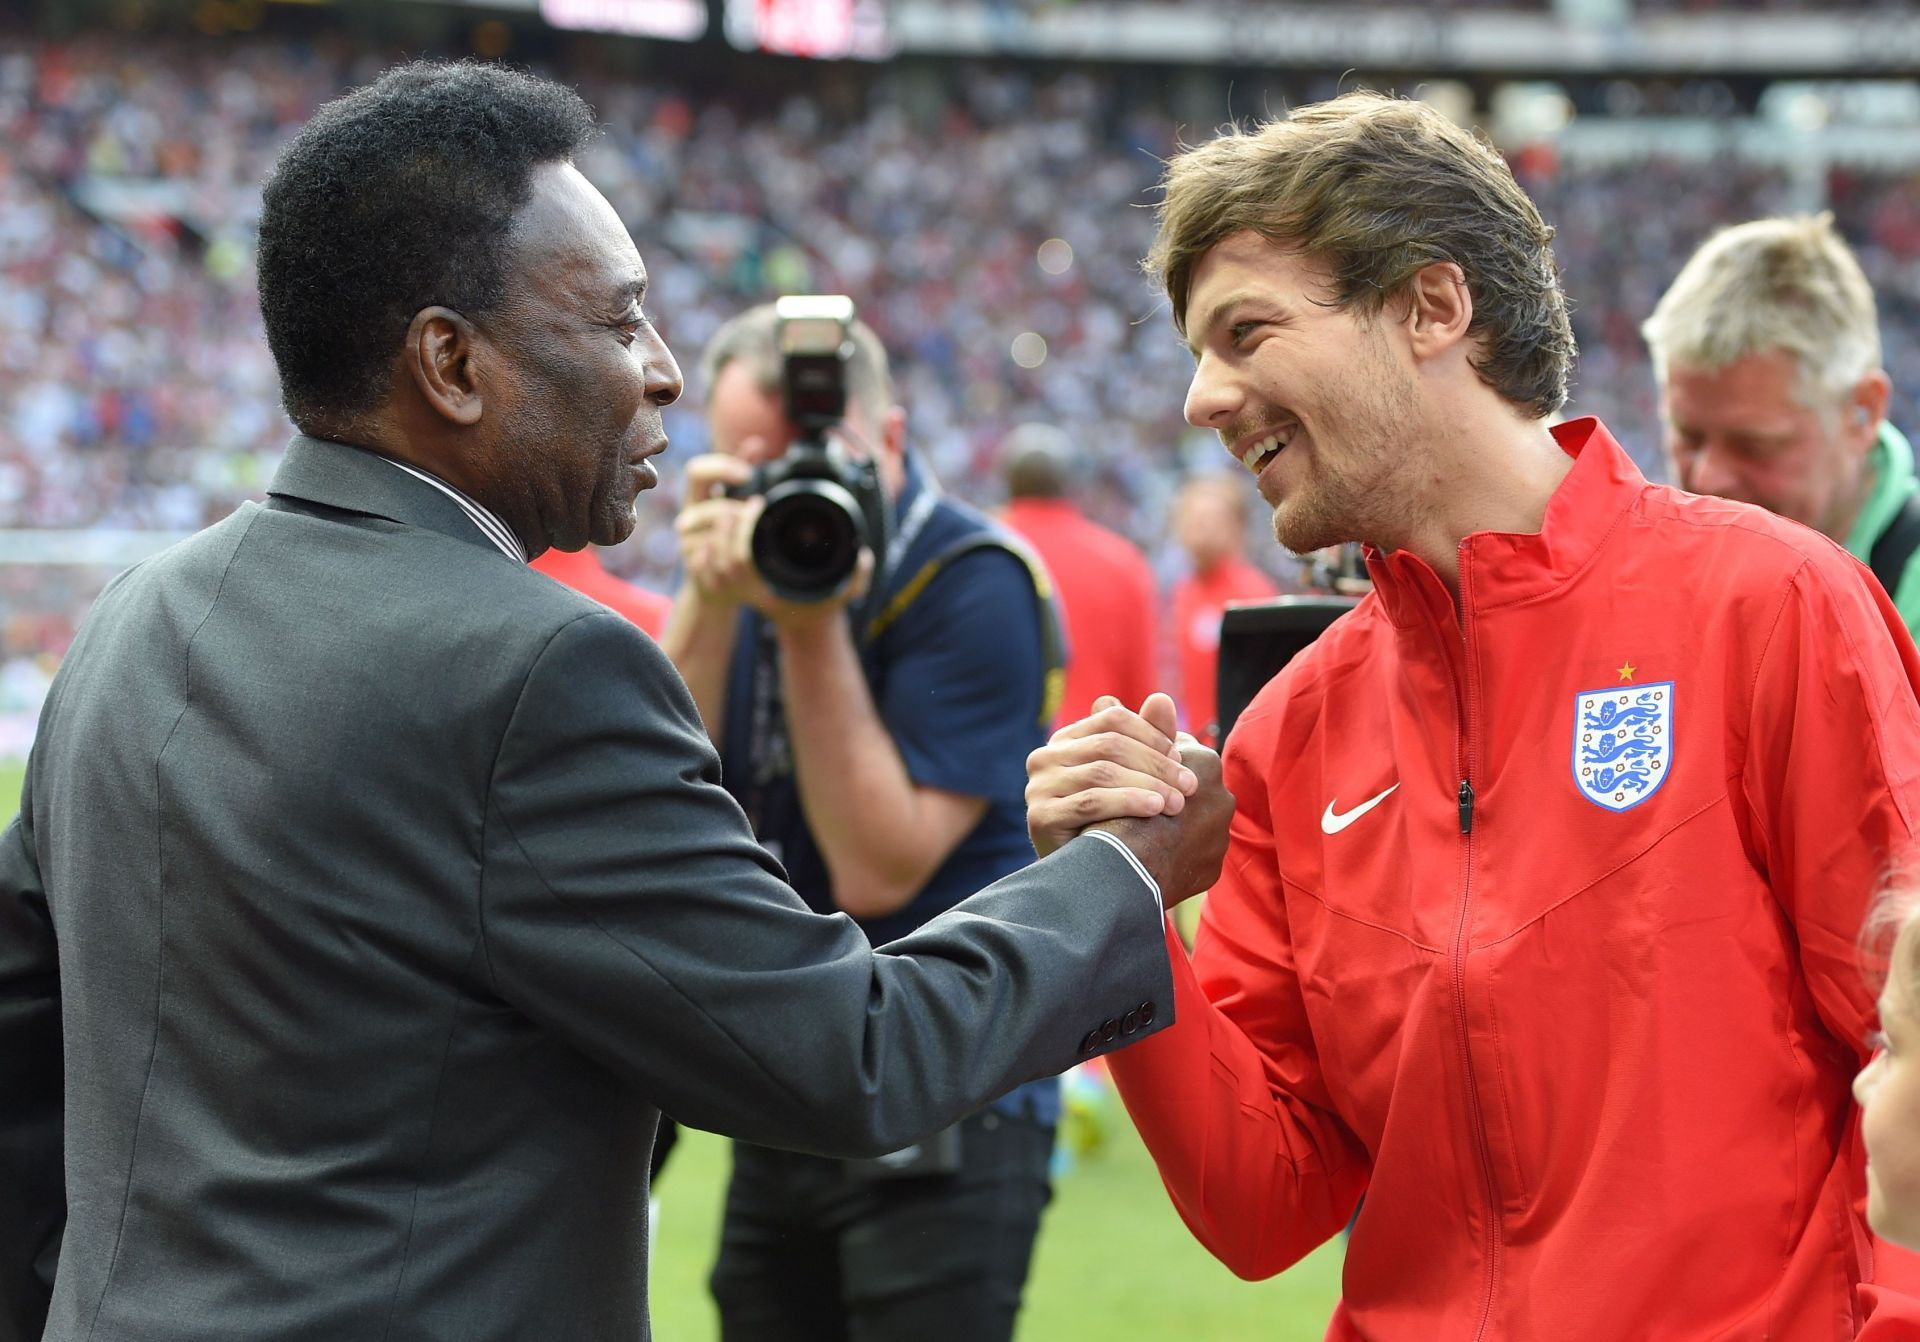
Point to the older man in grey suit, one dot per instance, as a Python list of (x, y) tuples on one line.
[(375, 891)]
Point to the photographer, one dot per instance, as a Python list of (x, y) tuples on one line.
[(875, 732)]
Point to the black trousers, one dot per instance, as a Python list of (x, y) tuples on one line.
[(815, 1250)]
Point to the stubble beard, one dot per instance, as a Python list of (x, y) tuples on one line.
[(1362, 495)]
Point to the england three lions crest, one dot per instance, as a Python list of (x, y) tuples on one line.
[(1623, 743)]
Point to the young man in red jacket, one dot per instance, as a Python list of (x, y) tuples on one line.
[(1537, 926)]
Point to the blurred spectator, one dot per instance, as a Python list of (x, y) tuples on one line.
[(1103, 582), (993, 224), (1210, 523)]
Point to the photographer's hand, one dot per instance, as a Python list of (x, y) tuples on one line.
[(716, 548), (715, 533)]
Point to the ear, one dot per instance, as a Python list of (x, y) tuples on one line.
[(1866, 406), (1439, 309), (439, 359), (893, 432)]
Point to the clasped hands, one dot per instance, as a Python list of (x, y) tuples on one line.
[(1138, 776)]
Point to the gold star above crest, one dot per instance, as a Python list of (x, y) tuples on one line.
[(1626, 671)]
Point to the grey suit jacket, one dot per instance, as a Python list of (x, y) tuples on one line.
[(383, 890)]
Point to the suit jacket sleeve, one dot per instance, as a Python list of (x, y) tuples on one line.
[(1232, 1102), (32, 1182), (628, 908), (1831, 782)]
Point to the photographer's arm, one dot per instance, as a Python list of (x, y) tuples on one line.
[(881, 835), (712, 531), (699, 641)]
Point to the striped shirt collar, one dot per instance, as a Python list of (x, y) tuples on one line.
[(490, 526)]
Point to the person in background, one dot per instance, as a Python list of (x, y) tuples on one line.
[(1108, 597), (583, 571), (1766, 350), (1210, 524), (876, 738)]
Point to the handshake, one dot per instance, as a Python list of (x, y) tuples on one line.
[(1137, 776)]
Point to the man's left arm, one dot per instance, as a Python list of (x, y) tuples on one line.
[(32, 1180), (889, 789), (1832, 782)]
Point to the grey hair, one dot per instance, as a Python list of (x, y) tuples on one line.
[(1787, 284), (752, 337)]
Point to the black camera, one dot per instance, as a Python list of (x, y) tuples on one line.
[(823, 505)]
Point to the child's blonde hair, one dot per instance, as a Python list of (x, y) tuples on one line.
[(1890, 941)]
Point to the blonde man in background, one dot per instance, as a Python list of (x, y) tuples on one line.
[(1767, 349)]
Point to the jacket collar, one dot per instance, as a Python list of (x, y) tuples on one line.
[(360, 480), (1500, 568)]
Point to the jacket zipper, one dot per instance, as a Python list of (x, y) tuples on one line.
[(1482, 1146)]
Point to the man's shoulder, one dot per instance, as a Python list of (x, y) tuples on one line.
[(1116, 550), (1747, 547), (956, 531), (430, 587)]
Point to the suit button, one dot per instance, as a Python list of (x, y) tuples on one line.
[(1109, 1030), (1091, 1042), (1130, 1023), (1147, 1013)]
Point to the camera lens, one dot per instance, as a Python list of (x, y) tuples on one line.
[(808, 539)]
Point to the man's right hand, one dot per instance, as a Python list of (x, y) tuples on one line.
[(715, 532), (1133, 774)]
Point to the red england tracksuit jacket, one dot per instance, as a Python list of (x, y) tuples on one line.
[(1538, 928)]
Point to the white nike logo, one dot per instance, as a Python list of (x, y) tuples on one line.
[(1333, 822)]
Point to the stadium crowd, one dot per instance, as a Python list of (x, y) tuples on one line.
[(993, 242)]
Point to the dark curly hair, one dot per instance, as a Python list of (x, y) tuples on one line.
[(397, 197), (1378, 188)]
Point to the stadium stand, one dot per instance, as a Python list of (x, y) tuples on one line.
[(991, 234)]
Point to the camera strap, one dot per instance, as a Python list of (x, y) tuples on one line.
[(900, 539), (769, 747), (1053, 650)]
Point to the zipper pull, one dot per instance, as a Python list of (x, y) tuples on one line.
[(1466, 807)]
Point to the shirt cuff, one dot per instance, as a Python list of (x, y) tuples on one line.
[(1132, 861)]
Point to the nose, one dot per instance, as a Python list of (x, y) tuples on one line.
[(1213, 397), (664, 383), (1708, 469), (1863, 1081)]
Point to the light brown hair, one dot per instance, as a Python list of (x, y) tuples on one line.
[(1377, 188)]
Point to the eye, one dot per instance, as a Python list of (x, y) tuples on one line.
[(630, 327), (1239, 331), (1877, 1042)]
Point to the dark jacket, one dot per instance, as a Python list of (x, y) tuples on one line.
[(387, 888)]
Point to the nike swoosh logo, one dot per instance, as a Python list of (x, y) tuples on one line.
[(1333, 822)]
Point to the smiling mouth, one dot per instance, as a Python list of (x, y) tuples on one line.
[(1259, 453)]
